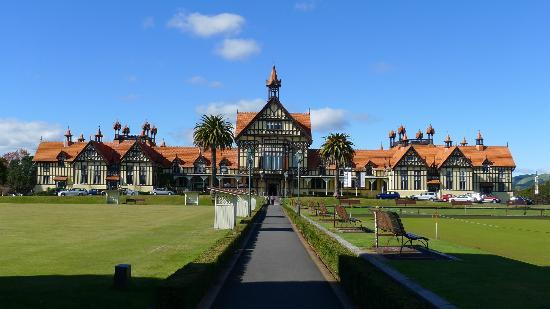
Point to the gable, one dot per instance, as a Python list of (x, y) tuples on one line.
[(135, 154), (456, 159), (273, 119), (411, 158), (90, 153)]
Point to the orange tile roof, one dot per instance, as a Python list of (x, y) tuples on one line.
[(48, 151), (244, 119)]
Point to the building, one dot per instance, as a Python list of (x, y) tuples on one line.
[(274, 145)]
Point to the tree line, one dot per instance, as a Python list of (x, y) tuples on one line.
[(17, 172)]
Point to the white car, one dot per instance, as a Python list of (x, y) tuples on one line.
[(477, 197), (73, 192), (426, 196), (462, 198), (162, 191)]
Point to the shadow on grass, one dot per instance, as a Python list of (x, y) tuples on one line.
[(482, 281), (74, 291)]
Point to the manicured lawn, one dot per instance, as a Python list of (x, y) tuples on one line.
[(504, 262), (55, 255), (149, 199)]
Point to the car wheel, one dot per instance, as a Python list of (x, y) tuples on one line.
[(169, 193), (494, 201), (154, 193), (62, 194)]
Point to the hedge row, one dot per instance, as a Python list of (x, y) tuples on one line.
[(186, 287), (366, 285)]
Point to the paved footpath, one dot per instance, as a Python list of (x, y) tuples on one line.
[(275, 271)]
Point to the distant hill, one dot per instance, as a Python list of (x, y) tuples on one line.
[(522, 182)]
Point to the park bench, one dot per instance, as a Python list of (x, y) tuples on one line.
[(461, 203), (323, 211), (404, 201), (390, 223), (135, 200), (349, 202), (344, 216)]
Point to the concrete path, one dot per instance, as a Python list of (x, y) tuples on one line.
[(275, 271)]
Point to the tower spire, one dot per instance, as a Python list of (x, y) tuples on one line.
[(273, 84)]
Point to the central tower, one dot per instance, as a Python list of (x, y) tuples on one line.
[(273, 84)]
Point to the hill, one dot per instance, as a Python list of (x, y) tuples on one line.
[(522, 182)]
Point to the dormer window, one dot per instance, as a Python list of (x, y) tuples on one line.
[(175, 168), (369, 170), (223, 167)]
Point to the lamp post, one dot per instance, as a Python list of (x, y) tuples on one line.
[(250, 160), (286, 183), (299, 160)]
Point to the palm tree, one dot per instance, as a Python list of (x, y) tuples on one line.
[(338, 150), (213, 132)]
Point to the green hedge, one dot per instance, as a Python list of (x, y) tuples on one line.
[(186, 287), (367, 286)]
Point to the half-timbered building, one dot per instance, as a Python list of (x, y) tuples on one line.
[(272, 146)]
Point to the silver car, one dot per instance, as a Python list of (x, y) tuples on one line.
[(73, 192), (162, 191)]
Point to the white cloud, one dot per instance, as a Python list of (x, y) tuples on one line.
[(148, 22), (235, 49), (328, 119), (229, 109), (201, 81), (207, 25), (16, 134), (305, 6), (185, 135)]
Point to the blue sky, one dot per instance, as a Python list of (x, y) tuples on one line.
[(362, 67)]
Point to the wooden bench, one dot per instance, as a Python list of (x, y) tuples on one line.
[(323, 211), (461, 203), (404, 201), (135, 200), (344, 216), (390, 223)]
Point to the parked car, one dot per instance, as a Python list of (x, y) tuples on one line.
[(162, 191), (126, 191), (389, 195), (476, 197), (519, 199), (446, 197), (96, 192), (73, 192), (425, 196), (489, 198), (462, 198)]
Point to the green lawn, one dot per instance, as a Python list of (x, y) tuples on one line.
[(149, 199), (56, 255), (504, 262)]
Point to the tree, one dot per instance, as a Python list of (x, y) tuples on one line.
[(21, 174), (213, 132), (338, 150), (15, 155), (3, 170)]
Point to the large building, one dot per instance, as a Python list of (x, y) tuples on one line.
[(275, 145)]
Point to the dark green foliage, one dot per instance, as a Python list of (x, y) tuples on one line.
[(186, 287), (367, 286), (213, 132), (21, 175), (3, 171), (338, 150)]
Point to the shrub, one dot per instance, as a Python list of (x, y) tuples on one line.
[(366, 285)]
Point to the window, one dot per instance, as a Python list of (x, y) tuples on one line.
[(449, 180), (200, 168), (45, 180), (404, 180), (46, 167), (462, 180), (84, 174), (97, 175), (417, 178), (175, 168), (142, 175), (486, 168), (272, 158), (274, 125), (130, 175), (60, 162), (317, 183), (369, 170), (322, 170)]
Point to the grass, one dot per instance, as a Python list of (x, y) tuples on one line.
[(56, 255), (504, 262), (91, 199)]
